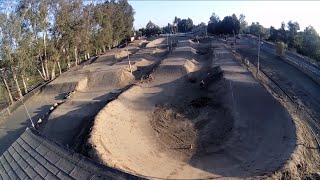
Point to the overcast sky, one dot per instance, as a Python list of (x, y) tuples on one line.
[(266, 12)]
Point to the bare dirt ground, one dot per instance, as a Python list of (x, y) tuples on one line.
[(96, 85), (297, 84), (200, 115)]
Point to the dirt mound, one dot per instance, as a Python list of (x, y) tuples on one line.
[(123, 78), (174, 130), (172, 69), (63, 87), (190, 66), (156, 42), (110, 79), (121, 54), (82, 84), (135, 62), (142, 62)]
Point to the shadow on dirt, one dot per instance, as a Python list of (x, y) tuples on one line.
[(13, 134)]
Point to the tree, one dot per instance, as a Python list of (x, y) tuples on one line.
[(175, 24), (214, 24), (143, 31), (243, 23), (152, 29), (311, 43), (37, 37), (283, 33), (293, 34), (185, 25), (257, 29), (167, 29), (229, 25), (9, 37), (280, 48)]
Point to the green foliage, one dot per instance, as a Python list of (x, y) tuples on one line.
[(280, 48), (152, 29), (167, 29), (229, 25), (243, 23), (185, 25), (37, 36), (257, 29), (306, 42)]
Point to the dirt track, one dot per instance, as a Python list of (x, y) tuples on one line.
[(170, 127), (96, 84)]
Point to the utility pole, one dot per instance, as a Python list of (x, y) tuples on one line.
[(128, 58), (206, 29), (258, 67), (168, 40)]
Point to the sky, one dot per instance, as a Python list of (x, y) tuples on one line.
[(267, 13)]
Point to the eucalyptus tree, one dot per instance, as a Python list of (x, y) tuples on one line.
[(9, 40)]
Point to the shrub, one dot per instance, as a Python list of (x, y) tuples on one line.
[(280, 48)]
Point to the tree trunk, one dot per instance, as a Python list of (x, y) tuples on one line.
[(24, 84), (96, 52), (59, 68), (53, 71), (68, 60), (41, 75), (76, 55), (46, 69), (8, 90), (44, 75), (45, 54), (14, 75), (104, 49), (88, 55)]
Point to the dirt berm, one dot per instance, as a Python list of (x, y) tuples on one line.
[(198, 118), (93, 86)]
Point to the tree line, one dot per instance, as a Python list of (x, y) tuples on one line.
[(42, 38), (306, 42), (178, 26)]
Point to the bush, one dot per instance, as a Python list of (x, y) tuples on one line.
[(280, 48)]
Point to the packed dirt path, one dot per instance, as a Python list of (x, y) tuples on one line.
[(98, 83), (299, 86), (199, 116)]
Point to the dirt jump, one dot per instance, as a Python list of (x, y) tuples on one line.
[(200, 115), (93, 86)]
